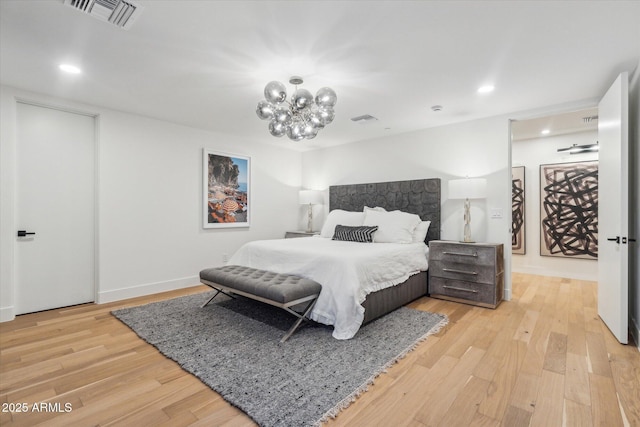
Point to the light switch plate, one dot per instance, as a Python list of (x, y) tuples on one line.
[(496, 213)]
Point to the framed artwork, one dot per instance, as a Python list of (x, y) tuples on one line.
[(518, 245), (227, 190), (569, 210)]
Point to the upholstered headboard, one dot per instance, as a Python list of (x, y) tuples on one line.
[(420, 197)]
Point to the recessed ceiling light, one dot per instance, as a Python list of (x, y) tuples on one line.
[(71, 69), (545, 132), (486, 89)]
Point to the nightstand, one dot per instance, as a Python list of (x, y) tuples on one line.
[(292, 234), (471, 273)]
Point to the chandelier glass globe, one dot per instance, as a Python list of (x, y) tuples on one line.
[(300, 117)]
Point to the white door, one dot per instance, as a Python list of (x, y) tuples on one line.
[(55, 200), (613, 208)]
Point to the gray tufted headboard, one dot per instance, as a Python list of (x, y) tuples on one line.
[(420, 197)]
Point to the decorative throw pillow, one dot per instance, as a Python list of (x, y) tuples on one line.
[(394, 226), (339, 216), (360, 234)]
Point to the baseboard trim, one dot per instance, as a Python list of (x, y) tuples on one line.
[(553, 273), (146, 289), (7, 314)]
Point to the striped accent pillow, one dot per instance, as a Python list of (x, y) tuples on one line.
[(362, 234)]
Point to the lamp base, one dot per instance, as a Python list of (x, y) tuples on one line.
[(310, 219), (467, 222)]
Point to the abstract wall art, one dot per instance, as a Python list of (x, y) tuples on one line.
[(518, 245), (569, 210), (226, 190)]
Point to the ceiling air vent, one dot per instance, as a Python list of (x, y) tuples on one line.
[(118, 12), (366, 118)]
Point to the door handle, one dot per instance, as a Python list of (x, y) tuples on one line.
[(614, 239), (23, 233)]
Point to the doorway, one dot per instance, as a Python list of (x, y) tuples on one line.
[(55, 208), (612, 205), (544, 142)]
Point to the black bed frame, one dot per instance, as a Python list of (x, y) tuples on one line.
[(420, 197)]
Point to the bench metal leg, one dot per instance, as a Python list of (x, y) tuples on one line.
[(210, 299), (301, 317), (220, 291)]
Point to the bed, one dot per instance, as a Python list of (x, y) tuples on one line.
[(390, 275)]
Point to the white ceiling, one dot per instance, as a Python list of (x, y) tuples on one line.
[(205, 63), (583, 120)]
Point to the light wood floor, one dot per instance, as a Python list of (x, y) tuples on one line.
[(542, 359)]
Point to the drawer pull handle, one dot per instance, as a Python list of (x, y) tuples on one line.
[(475, 254), (451, 270), (460, 289)]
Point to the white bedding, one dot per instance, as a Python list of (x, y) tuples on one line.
[(347, 271)]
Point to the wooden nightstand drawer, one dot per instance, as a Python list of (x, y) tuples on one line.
[(465, 254), (461, 271), (476, 293)]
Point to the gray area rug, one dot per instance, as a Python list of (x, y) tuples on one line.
[(233, 346)]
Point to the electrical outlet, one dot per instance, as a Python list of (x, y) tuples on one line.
[(225, 258), (496, 213)]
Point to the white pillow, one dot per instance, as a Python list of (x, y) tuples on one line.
[(340, 217), (420, 233), (393, 227)]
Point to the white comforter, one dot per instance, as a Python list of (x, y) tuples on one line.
[(347, 271)]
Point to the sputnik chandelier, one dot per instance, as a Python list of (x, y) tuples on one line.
[(300, 117)]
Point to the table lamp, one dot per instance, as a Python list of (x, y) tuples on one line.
[(310, 197), (467, 188)]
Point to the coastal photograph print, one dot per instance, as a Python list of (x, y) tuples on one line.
[(518, 245), (227, 189), (569, 210)]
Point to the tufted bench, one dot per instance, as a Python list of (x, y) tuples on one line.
[(280, 290)]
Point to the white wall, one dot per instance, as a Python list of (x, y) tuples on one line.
[(532, 153), (478, 148), (150, 235)]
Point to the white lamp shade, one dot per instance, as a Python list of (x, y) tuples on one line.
[(313, 197), (468, 188)]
